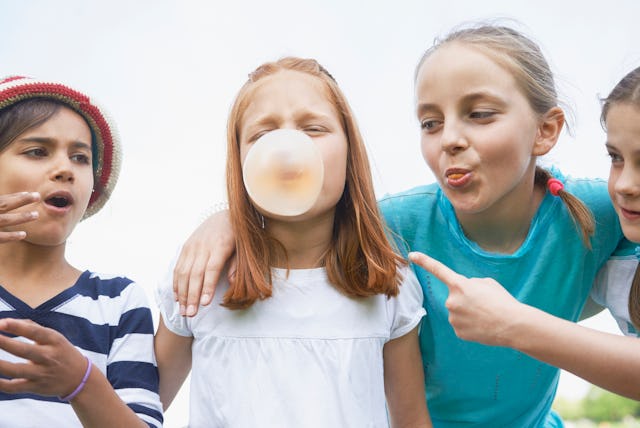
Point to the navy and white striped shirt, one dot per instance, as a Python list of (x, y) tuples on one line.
[(108, 319)]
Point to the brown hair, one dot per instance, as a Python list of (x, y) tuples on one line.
[(360, 262), (523, 58), (627, 91), (23, 116)]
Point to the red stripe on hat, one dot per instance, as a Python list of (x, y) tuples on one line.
[(11, 79), (107, 142), (83, 103)]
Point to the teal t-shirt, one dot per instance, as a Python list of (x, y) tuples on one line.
[(473, 385)]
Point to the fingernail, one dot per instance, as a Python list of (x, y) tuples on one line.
[(33, 214), (204, 299), (182, 310), (191, 310)]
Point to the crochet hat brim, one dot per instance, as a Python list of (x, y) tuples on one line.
[(106, 150)]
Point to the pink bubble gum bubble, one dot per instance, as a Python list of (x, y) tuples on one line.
[(283, 172)]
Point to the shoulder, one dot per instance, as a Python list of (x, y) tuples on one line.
[(406, 309), (415, 194), (593, 192), (408, 203), (590, 190), (112, 288)]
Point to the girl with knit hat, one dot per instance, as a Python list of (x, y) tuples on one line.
[(319, 327), (75, 346)]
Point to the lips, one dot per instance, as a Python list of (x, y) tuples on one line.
[(457, 177), (59, 201), (629, 214)]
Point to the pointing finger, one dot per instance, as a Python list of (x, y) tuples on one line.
[(449, 277)]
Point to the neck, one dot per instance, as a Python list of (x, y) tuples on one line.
[(35, 273), (306, 242), (504, 227)]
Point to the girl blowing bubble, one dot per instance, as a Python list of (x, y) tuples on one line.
[(75, 347), (487, 107), (483, 311), (319, 324)]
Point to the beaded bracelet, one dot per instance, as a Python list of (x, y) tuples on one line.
[(82, 382)]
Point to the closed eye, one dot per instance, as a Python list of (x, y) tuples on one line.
[(314, 129), (254, 137)]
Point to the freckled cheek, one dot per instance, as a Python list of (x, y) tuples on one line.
[(244, 149), (335, 168)]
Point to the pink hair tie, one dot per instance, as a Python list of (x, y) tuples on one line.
[(554, 186)]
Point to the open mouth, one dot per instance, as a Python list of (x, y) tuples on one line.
[(58, 201)]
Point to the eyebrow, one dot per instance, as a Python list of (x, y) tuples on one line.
[(610, 146), (466, 100), (272, 120), (52, 141), (305, 115)]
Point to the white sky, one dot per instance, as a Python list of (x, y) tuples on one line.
[(168, 71)]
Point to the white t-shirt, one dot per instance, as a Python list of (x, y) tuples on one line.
[(306, 357), (611, 289)]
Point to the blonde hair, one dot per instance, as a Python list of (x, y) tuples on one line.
[(361, 261), (523, 58), (627, 91)]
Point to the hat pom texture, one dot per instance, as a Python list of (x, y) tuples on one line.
[(107, 155)]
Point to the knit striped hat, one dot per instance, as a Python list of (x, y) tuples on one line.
[(105, 142)]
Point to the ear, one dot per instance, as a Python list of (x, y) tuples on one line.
[(548, 133)]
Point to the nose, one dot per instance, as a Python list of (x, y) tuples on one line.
[(452, 139), (628, 182), (64, 176), (62, 170)]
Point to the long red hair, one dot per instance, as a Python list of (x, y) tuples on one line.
[(361, 261)]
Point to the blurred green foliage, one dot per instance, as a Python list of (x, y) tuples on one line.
[(598, 406)]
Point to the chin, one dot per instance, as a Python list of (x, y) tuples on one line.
[(632, 233), (48, 238)]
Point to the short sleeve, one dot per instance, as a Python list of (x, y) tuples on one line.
[(405, 310), (131, 366), (168, 307), (611, 289)]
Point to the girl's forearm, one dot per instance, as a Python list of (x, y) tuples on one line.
[(98, 405), (607, 360)]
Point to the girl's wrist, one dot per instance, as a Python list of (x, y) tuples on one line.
[(521, 332), (82, 383)]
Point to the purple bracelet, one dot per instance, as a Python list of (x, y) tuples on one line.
[(82, 383)]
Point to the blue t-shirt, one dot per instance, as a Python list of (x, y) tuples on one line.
[(474, 385)]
